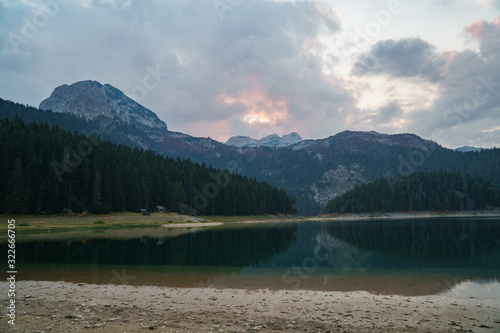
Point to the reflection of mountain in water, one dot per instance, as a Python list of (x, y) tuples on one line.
[(213, 247), (445, 242), (436, 243), (313, 241)]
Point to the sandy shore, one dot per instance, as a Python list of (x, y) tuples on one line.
[(191, 225), (68, 307)]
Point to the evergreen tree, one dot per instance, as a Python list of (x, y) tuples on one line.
[(179, 198), (107, 191), (16, 199), (118, 204), (134, 203), (96, 188)]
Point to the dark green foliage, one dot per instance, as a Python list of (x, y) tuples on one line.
[(16, 189), (45, 169), (118, 196), (178, 197), (420, 191)]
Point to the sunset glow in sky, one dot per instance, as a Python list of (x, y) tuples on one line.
[(224, 68)]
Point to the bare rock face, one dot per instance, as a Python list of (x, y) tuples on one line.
[(337, 182), (92, 100)]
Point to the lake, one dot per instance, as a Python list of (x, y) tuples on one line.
[(459, 257)]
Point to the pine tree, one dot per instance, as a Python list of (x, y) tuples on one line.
[(107, 191), (118, 194), (179, 197), (145, 196), (97, 206), (16, 190), (134, 192)]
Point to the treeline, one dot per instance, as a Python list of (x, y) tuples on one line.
[(420, 191), (45, 169)]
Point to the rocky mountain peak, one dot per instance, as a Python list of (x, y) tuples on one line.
[(273, 140), (92, 100), (242, 141), (466, 149)]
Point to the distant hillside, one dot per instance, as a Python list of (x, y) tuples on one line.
[(420, 191), (45, 169)]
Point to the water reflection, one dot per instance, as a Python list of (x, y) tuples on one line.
[(447, 242), (397, 245), (222, 247), (476, 289), (406, 257)]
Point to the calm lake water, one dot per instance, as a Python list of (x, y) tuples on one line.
[(460, 257)]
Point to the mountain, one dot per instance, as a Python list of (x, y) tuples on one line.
[(92, 101), (359, 141), (273, 140), (466, 149), (116, 117), (312, 171)]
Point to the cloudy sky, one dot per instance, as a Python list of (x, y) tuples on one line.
[(220, 68)]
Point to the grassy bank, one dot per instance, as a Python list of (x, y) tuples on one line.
[(29, 224)]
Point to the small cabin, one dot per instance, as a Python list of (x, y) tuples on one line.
[(159, 209)]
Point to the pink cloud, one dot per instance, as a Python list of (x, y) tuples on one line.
[(449, 58), (482, 29), (261, 109)]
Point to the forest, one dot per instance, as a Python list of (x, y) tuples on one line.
[(46, 170), (420, 191)]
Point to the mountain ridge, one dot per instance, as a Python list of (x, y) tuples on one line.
[(313, 171)]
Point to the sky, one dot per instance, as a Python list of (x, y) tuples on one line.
[(220, 68)]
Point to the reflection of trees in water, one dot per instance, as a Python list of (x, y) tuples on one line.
[(438, 240), (437, 243), (213, 247)]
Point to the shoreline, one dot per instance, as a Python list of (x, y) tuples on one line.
[(30, 225), (409, 215), (378, 216), (66, 307)]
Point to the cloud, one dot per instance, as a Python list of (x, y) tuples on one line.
[(410, 57), (256, 67), (385, 114), (470, 93), (252, 47), (488, 35)]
